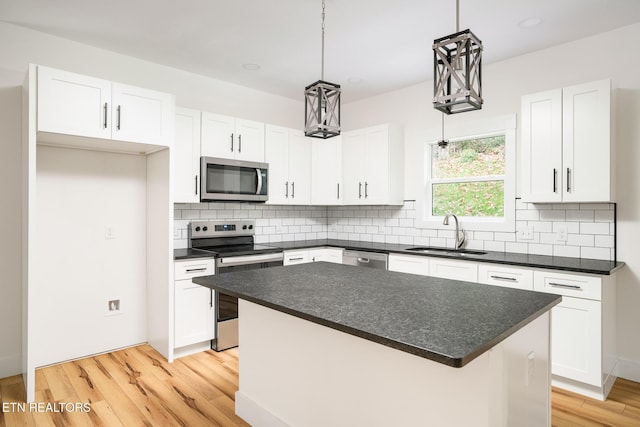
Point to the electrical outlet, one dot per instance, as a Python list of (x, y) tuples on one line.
[(561, 233), (109, 232), (525, 233), (114, 305)]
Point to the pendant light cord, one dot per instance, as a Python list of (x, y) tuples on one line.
[(322, 64), (457, 16)]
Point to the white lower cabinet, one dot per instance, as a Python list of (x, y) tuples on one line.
[(453, 269), (411, 264), (194, 304), (583, 330), (302, 256)]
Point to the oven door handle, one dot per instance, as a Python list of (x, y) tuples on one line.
[(259, 173), (249, 259)]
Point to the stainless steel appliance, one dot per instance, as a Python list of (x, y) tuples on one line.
[(365, 259), (233, 180), (233, 244)]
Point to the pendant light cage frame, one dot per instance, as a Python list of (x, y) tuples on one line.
[(457, 70), (322, 109), (322, 103)]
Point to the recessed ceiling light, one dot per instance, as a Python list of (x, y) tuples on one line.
[(530, 22), (251, 67), (355, 80)]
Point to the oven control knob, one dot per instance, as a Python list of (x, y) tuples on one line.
[(205, 228), (244, 227), (197, 228), (250, 227)]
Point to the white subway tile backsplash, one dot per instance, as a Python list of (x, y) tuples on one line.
[(590, 227)]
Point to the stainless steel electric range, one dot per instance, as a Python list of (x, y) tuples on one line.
[(235, 249)]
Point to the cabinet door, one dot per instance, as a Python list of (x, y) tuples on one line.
[(73, 104), (409, 264), (576, 340), (326, 171), (186, 164), (142, 115), (541, 156), (333, 255), (586, 155), (451, 269), (217, 138), (353, 153), (250, 140), (376, 165), (300, 167), (194, 313), (277, 156)]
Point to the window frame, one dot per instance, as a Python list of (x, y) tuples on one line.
[(502, 126)]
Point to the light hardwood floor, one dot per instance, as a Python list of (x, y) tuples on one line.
[(137, 387)]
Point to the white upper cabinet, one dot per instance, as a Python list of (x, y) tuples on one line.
[(231, 138), (186, 156), (372, 165), (73, 104), (288, 153), (567, 146), (326, 171)]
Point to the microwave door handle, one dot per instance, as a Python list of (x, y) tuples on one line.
[(258, 172)]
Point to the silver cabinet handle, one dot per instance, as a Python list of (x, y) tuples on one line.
[(359, 190), (239, 143), (338, 196), (196, 185), (555, 180), (568, 180), (105, 115), (232, 142), (364, 260), (313, 259), (293, 190), (211, 299), (563, 285), (118, 118), (366, 189), (296, 259), (258, 172), (286, 186), (191, 270), (511, 279)]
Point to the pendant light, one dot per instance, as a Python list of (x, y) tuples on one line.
[(322, 103), (457, 71)]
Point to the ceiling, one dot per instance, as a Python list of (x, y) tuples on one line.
[(372, 46)]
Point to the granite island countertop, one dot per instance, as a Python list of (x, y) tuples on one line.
[(447, 321)]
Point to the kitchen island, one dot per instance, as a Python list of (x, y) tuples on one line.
[(327, 344)]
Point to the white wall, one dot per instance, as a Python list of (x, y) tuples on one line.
[(608, 55), (22, 46)]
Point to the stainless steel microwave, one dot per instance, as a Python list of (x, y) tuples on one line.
[(233, 180)]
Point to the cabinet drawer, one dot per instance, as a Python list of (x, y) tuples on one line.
[(296, 257), (193, 268), (571, 285), (457, 270), (507, 277), (409, 264)]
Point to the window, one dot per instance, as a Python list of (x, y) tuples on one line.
[(472, 177)]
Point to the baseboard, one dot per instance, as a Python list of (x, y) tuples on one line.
[(188, 350), (628, 369), (10, 365), (254, 414), (588, 390)]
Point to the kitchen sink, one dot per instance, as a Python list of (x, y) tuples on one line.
[(448, 251)]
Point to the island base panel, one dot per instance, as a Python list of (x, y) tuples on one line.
[(295, 372)]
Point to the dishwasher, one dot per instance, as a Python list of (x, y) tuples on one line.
[(365, 259)]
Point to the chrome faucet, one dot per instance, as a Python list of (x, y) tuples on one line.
[(459, 236)]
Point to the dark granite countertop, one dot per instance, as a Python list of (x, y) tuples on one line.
[(578, 265), (447, 321), (189, 253)]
